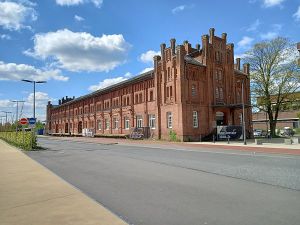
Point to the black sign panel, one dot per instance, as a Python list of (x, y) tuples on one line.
[(233, 132)]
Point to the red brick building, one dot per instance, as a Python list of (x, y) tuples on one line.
[(190, 91)]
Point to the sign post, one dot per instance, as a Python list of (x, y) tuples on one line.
[(31, 122), (23, 121)]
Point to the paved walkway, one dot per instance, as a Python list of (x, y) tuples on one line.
[(293, 149), (32, 195)]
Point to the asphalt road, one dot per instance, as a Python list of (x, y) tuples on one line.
[(152, 186)]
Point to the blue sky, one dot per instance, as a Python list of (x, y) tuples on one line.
[(82, 45)]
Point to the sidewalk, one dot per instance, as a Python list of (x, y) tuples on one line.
[(32, 195), (293, 149)]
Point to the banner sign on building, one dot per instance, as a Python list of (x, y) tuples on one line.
[(231, 132)]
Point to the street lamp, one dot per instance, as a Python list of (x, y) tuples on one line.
[(243, 107), (5, 116), (17, 113), (34, 82)]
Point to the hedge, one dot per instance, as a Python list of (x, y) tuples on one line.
[(20, 139)]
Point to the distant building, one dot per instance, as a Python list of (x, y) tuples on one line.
[(189, 92), (287, 116)]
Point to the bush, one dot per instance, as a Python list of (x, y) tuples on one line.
[(172, 135), (20, 139), (297, 130)]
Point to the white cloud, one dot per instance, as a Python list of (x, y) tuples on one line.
[(41, 99), (26, 108), (273, 33), (147, 57), (241, 56), (181, 8), (253, 26), (296, 15), (81, 51), (78, 18), (106, 83), (97, 3), (12, 71), (5, 37), (271, 3), (5, 103), (146, 70), (178, 9), (269, 35), (245, 42), (13, 16)]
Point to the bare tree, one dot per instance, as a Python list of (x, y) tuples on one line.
[(274, 75)]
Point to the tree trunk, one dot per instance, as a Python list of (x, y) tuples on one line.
[(273, 128)]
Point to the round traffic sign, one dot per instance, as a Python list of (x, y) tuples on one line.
[(23, 121)]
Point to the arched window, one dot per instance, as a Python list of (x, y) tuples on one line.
[(194, 90)]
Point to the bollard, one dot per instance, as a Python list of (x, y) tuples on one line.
[(228, 140), (214, 139), (200, 138)]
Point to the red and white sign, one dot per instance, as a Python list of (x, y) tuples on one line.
[(23, 121)]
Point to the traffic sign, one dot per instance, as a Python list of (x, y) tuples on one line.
[(23, 121), (31, 121)]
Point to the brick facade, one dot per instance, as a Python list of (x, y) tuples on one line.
[(189, 91)]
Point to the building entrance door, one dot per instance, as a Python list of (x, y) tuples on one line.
[(66, 128), (220, 118), (80, 127)]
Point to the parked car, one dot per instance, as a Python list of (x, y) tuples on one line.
[(257, 133)]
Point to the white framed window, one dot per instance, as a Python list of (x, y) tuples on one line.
[(152, 121), (99, 125), (139, 121), (169, 119), (126, 123), (193, 90), (217, 93), (107, 123), (241, 119), (195, 119), (220, 75), (116, 123), (221, 93)]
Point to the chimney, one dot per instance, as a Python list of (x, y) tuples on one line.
[(173, 41), (187, 46), (156, 59), (211, 34), (205, 46), (246, 67), (224, 36), (238, 63), (198, 47), (162, 50)]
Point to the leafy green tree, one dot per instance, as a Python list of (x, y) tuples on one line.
[(274, 75)]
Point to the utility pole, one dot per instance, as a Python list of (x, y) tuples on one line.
[(6, 117), (244, 125), (34, 82), (1, 122), (17, 114)]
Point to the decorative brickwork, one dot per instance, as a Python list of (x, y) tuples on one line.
[(186, 83)]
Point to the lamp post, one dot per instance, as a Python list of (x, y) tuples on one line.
[(243, 107), (34, 82), (17, 113), (5, 117), (1, 123)]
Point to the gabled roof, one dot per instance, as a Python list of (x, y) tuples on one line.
[(192, 60), (135, 79)]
